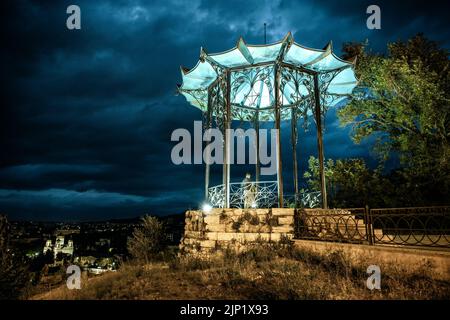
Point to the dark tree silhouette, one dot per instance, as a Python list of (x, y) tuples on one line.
[(14, 275)]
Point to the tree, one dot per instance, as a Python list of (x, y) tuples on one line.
[(14, 275), (404, 103), (148, 240), (352, 184)]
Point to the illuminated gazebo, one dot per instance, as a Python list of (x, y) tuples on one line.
[(260, 83)]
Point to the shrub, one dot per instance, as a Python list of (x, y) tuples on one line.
[(148, 240)]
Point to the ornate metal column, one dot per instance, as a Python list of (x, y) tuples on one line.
[(208, 126), (226, 137), (294, 147), (278, 127), (318, 116), (257, 165)]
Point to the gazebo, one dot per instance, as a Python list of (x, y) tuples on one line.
[(259, 83)]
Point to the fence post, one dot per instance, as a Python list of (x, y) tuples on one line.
[(368, 223), (295, 222)]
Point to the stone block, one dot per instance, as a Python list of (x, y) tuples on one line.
[(252, 228), (193, 234), (282, 211), (230, 236), (215, 212), (252, 236), (264, 228), (232, 212), (229, 228), (225, 236), (286, 220), (216, 227), (283, 229), (275, 236), (208, 243), (212, 219), (262, 211), (211, 235)]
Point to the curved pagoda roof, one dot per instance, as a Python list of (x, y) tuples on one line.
[(252, 77)]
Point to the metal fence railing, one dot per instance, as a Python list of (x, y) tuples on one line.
[(424, 226), (253, 194), (260, 194), (428, 226)]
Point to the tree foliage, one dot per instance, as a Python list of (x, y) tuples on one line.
[(14, 275), (350, 183), (148, 240), (404, 104)]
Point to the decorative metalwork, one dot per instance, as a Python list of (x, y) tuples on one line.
[(262, 194), (281, 81), (301, 88), (216, 196), (253, 67), (199, 97), (311, 199), (331, 224), (255, 194), (247, 87), (326, 99), (218, 101), (303, 200), (426, 226)]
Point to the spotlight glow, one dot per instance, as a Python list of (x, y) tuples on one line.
[(206, 207)]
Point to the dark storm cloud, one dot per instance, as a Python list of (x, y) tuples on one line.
[(87, 115)]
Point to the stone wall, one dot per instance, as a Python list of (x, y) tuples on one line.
[(236, 228)]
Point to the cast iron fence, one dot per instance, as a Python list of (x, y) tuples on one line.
[(422, 226)]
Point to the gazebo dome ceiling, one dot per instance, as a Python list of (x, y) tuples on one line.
[(252, 75)]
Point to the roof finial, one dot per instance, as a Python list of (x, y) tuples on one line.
[(265, 34)]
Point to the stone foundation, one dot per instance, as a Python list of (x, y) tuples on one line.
[(236, 228)]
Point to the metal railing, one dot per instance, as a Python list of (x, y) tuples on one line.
[(348, 225), (261, 194), (303, 200), (216, 196), (428, 226), (424, 226)]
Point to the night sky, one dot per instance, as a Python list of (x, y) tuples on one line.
[(86, 115)]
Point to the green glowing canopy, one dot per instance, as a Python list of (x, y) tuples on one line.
[(252, 78)]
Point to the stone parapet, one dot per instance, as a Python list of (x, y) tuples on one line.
[(234, 228)]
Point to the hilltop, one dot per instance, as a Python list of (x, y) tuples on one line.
[(260, 273)]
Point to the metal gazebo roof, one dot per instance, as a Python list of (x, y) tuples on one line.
[(252, 80)]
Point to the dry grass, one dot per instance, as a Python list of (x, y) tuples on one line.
[(265, 272)]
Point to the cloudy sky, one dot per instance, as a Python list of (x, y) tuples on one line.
[(86, 115)]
